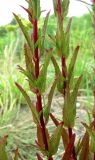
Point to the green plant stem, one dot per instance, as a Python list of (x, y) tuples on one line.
[(36, 55), (39, 98)]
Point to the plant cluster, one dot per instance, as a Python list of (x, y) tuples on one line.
[(47, 143)]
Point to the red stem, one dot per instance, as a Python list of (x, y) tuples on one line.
[(63, 61), (70, 132), (94, 127), (94, 157), (39, 98), (70, 136), (59, 7), (64, 73)]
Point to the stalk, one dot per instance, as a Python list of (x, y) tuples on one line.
[(63, 61), (64, 69), (38, 95)]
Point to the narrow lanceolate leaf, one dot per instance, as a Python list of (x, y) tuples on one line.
[(84, 147), (69, 25), (27, 37), (69, 108), (38, 9), (91, 133), (28, 59), (56, 122), (58, 74), (68, 152), (30, 104), (44, 32), (41, 81), (30, 76), (55, 139), (75, 90), (65, 44), (65, 138), (28, 11), (92, 142), (65, 7), (72, 64), (55, 6), (78, 147), (3, 154), (50, 97)]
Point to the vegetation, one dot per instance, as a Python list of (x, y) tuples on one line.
[(59, 57)]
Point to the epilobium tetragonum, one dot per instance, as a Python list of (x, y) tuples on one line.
[(47, 144)]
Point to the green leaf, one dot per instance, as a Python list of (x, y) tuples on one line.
[(65, 40), (69, 25), (51, 93), (72, 64), (58, 74), (34, 5), (84, 147), (30, 76), (38, 9), (41, 81), (50, 97), (44, 28), (65, 138), (29, 59), (3, 154), (69, 108), (30, 104), (54, 6), (92, 142), (65, 7), (55, 139), (78, 147), (91, 133), (27, 37)]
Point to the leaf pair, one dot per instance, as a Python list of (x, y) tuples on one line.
[(50, 97), (40, 83), (35, 5), (64, 5), (65, 137), (53, 140), (69, 108)]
